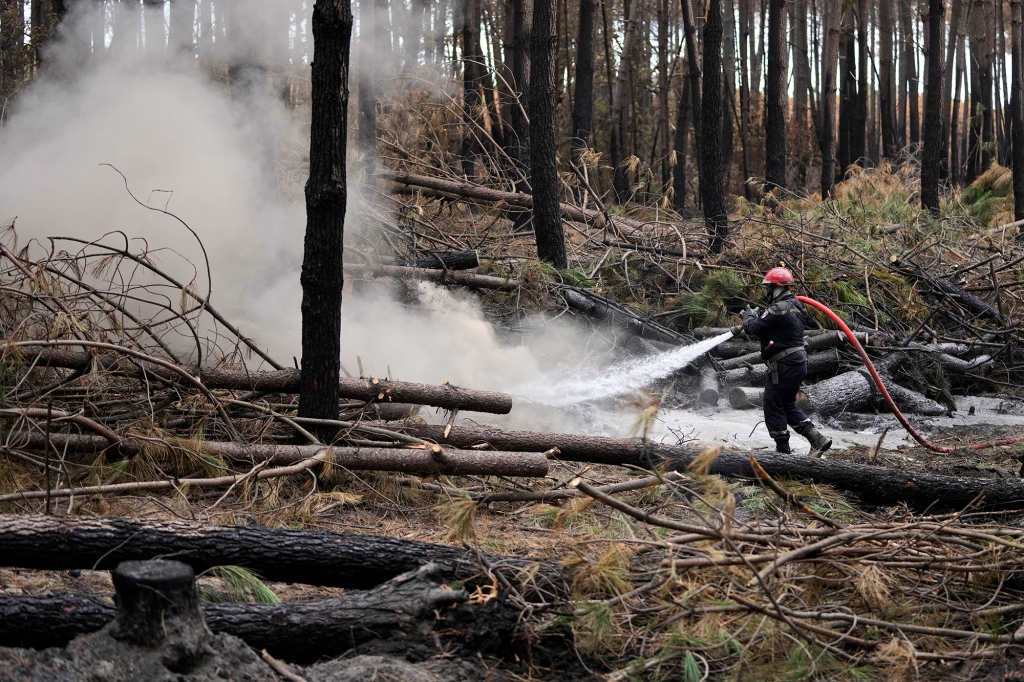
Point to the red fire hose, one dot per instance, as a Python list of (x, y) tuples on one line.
[(885, 393)]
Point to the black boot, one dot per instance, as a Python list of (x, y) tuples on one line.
[(819, 442), (781, 441)]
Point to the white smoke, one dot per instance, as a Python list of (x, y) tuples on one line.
[(186, 145)]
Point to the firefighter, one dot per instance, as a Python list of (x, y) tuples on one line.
[(780, 329)]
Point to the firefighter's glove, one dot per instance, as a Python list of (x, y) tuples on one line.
[(748, 313)]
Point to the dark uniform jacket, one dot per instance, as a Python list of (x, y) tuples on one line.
[(779, 327)]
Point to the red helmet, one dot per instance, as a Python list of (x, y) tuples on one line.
[(780, 277)]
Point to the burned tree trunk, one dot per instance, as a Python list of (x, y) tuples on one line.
[(583, 96), (776, 97), (471, 150), (931, 154), (520, 138), (277, 554), (712, 184), (889, 486), (1017, 112), (827, 109), (547, 217), (321, 277)]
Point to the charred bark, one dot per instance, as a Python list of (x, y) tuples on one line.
[(297, 630), (601, 308), (712, 182), (830, 56), (1017, 112), (449, 260), (547, 219), (583, 97), (776, 97), (326, 197), (931, 153), (289, 380), (277, 554), (879, 484)]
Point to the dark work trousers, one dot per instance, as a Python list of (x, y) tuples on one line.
[(780, 399)]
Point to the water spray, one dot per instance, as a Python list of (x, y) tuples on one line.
[(619, 379), (885, 392)]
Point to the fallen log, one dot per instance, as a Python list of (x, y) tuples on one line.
[(469, 190), (847, 392), (878, 484), (708, 386), (948, 289), (414, 460), (280, 381), (851, 391), (745, 398), (445, 260), (601, 308), (468, 279), (313, 557), (298, 630), (754, 374), (811, 344)]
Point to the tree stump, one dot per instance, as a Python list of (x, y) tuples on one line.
[(158, 607)]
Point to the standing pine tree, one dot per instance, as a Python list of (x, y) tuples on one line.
[(712, 186), (547, 215), (931, 153), (776, 97), (322, 277)]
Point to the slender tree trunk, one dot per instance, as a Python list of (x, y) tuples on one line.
[(860, 111), (728, 87), (847, 93), (956, 141), (620, 184), (663, 132), (745, 41), (913, 81), (954, 37), (321, 276), (1017, 111), (931, 153), (886, 93), (986, 79), (827, 109), (374, 59), (801, 86), (696, 79), (547, 216), (776, 97), (471, 150), (907, 52), (1004, 119), (682, 123), (712, 189), (978, 105), (440, 32), (519, 147), (583, 97)]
